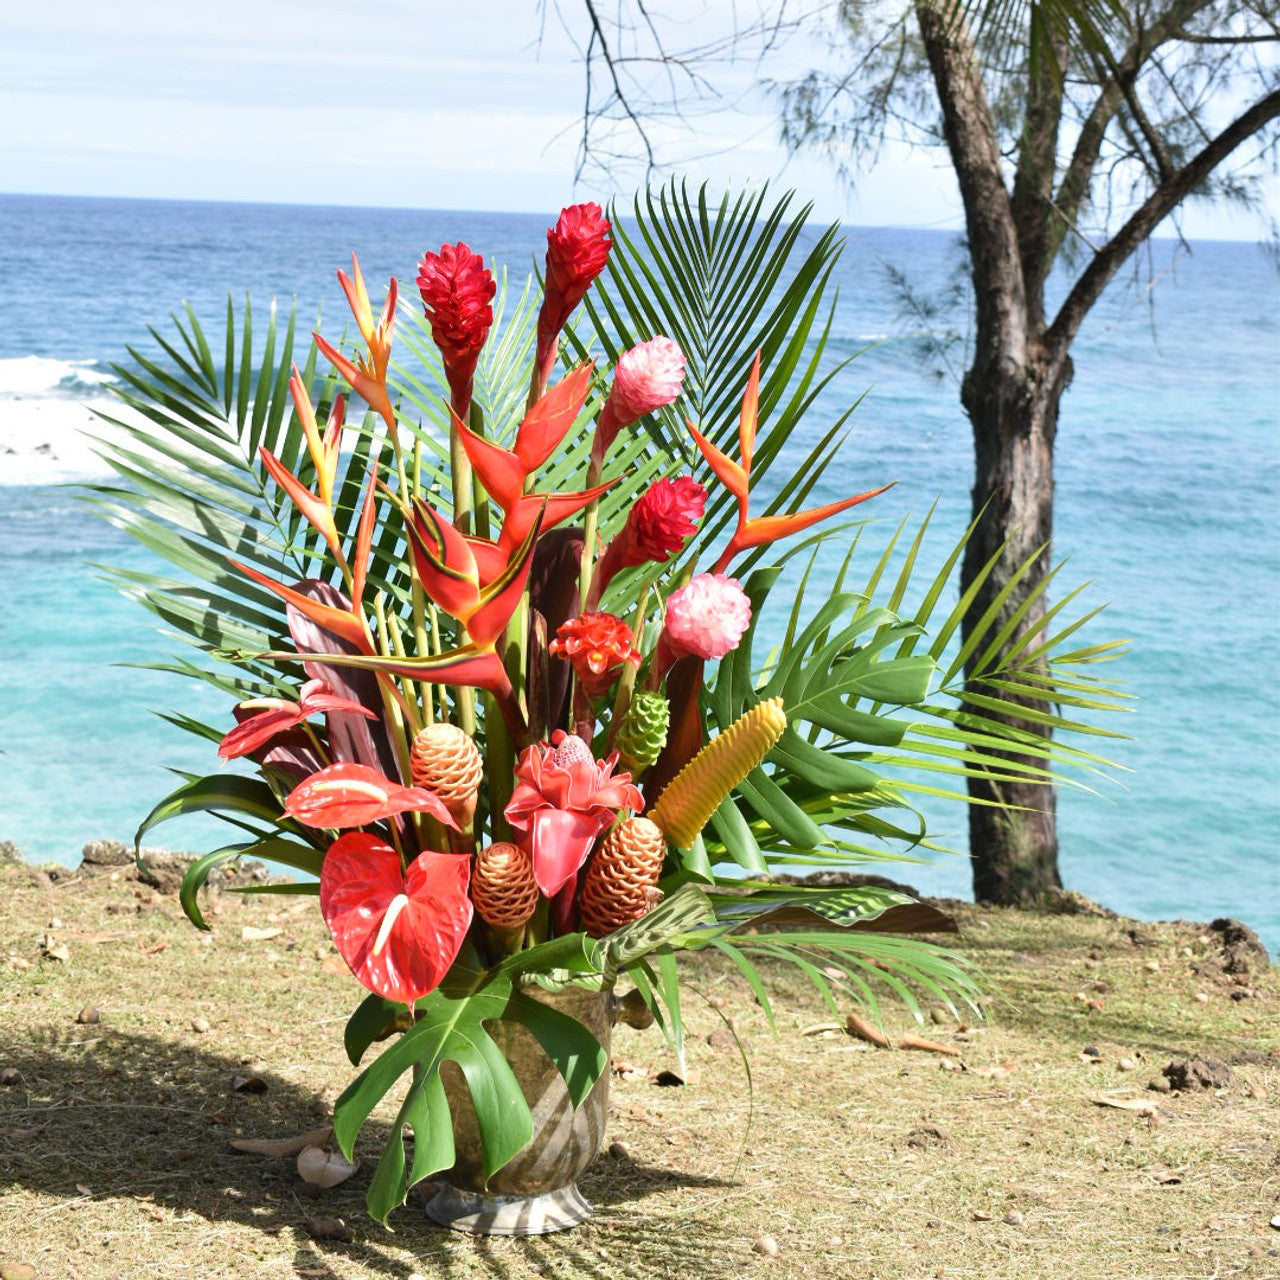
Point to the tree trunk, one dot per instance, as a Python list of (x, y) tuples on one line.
[(1013, 408)]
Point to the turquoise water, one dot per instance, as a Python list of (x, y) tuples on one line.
[(1167, 485)]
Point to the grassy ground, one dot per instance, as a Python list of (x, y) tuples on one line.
[(114, 1155)]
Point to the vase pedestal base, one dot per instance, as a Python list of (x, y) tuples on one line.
[(482, 1215)]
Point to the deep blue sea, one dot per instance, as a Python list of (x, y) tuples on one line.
[(1168, 498)]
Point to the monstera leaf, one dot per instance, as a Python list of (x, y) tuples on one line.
[(451, 1026)]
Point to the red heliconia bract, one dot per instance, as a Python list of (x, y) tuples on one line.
[(563, 800), (457, 290), (398, 930)]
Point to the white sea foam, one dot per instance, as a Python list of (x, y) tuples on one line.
[(46, 414)]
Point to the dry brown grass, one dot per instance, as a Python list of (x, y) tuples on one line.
[(114, 1159)]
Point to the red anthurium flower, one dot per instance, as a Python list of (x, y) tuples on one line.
[(350, 795), (399, 931), (564, 799), (577, 249), (737, 478), (457, 289), (271, 716), (645, 378), (367, 375), (317, 507), (664, 516), (597, 644)]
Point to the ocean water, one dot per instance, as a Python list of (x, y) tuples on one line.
[(1168, 479)]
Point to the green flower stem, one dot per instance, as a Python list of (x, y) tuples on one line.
[(419, 596), (463, 493), (479, 497), (590, 525)]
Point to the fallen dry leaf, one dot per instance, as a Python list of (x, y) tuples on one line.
[(251, 933), (283, 1146), (1143, 1106), (927, 1046), (856, 1025), (155, 948)]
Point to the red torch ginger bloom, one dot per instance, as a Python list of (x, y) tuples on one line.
[(577, 249), (457, 289), (663, 517), (597, 644), (268, 717), (707, 618), (564, 799), (398, 930), (645, 378)]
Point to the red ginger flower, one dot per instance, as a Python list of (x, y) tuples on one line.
[(564, 799), (577, 249), (645, 378), (596, 644), (457, 289), (663, 517)]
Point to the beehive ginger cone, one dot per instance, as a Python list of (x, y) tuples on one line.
[(621, 880), (503, 886), (445, 761)]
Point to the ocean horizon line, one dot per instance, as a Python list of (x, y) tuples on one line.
[(953, 231)]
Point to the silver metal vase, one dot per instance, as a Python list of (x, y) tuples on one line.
[(535, 1192)]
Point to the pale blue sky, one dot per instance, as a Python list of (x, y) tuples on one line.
[(393, 102)]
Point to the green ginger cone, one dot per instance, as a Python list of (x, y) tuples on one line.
[(643, 732)]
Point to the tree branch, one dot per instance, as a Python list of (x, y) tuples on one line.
[(1162, 201), (999, 290)]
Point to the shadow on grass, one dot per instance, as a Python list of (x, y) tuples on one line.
[(131, 1118)]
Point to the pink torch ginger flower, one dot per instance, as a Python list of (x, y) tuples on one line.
[(645, 378), (577, 249), (564, 799), (457, 289), (707, 618)]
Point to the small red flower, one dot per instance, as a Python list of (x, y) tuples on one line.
[(564, 799), (596, 644), (457, 289), (577, 249), (398, 930), (267, 717)]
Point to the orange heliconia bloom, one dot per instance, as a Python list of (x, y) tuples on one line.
[(737, 479)]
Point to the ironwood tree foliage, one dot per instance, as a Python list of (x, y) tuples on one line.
[(1075, 128)]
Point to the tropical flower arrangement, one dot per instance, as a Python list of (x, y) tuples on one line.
[(496, 656)]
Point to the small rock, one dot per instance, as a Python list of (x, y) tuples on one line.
[(1126, 1064), (200, 1026), (10, 1076), (1091, 1051), (89, 1016), (931, 1136), (17, 1271), (1153, 966), (938, 1017), (248, 1084), (672, 1079), (1160, 1086), (1201, 998), (981, 1215), (54, 949), (107, 853), (1013, 1218), (1198, 1072), (54, 922), (328, 1229), (722, 1040), (767, 1246), (1275, 1222)]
